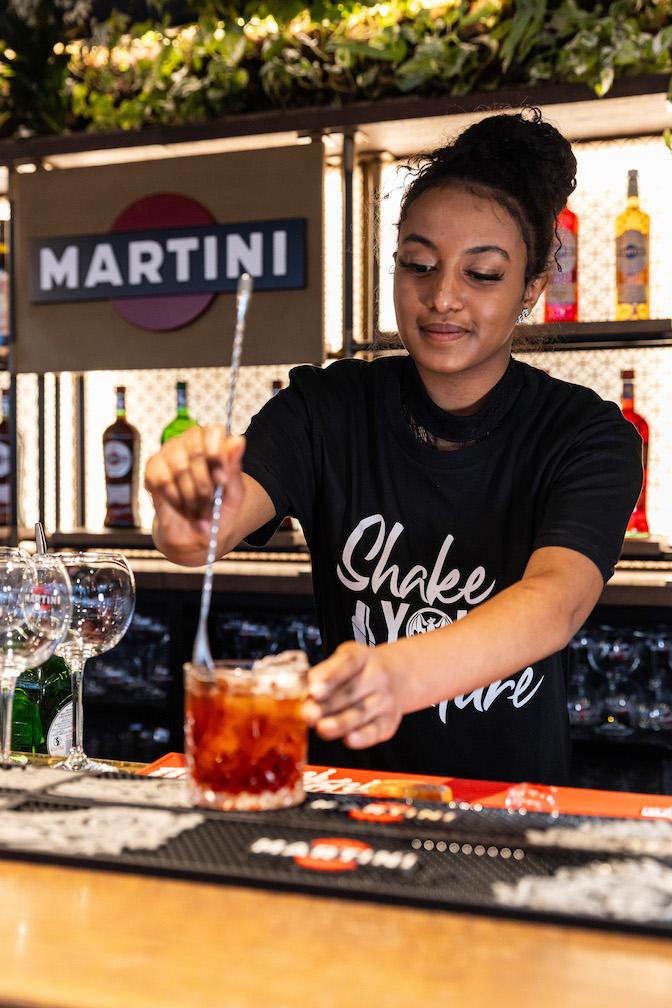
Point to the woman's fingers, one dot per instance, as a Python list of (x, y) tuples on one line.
[(352, 697), (188, 468)]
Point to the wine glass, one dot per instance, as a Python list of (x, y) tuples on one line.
[(103, 599), (35, 611), (655, 709), (616, 655), (582, 704)]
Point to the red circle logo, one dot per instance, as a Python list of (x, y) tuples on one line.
[(332, 854), (161, 314)]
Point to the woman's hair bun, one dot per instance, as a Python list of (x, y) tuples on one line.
[(518, 159)]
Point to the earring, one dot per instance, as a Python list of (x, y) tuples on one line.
[(523, 315)]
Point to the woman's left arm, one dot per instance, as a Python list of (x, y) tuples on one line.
[(360, 693)]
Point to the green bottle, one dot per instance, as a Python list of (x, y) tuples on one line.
[(182, 421), (42, 715), (27, 733)]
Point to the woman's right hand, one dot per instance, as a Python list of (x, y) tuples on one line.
[(182, 478)]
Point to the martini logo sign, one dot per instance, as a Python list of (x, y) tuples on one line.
[(164, 261)]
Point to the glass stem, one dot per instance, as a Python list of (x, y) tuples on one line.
[(77, 679), (7, 685)]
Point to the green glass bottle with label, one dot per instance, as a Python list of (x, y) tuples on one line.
[(181, 421), (42, 717)]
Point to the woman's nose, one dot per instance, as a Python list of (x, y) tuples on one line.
[(445, 293)]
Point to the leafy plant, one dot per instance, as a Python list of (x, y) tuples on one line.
[(261, 54)]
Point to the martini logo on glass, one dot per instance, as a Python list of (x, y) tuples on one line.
[(164, 261)]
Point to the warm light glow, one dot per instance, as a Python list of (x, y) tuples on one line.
[(333, 259)]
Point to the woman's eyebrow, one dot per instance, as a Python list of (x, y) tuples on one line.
[(420, 239), (476, 249)]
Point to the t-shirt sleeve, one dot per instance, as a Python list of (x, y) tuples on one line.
[(594, 490), (279, 455)]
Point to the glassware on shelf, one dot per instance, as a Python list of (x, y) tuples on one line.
[(583, 706), (103, 599), (35, 611), (615, 654), (654, 711)]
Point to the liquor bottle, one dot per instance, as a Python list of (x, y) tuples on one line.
[(42, 715), (5, 463), (562, 292), (638, 525), (121, 449), (632, 257), (4, 292), (182, 421)]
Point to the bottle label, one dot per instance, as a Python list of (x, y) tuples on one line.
[(4, 493), (59, 736), (5, 459), (562, 284), (118, 459), (632, 254), (118, 493)]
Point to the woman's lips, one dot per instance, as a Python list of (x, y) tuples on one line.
[(442, 332)]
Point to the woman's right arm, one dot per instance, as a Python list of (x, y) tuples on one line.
[(182, 478)]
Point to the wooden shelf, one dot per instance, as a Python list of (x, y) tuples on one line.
[(597, 335)]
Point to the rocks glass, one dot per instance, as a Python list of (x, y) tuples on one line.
[(245, 739)]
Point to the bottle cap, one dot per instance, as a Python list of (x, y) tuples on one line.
[(627, 375)]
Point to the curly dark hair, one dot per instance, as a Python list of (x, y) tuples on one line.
[(519, 160)]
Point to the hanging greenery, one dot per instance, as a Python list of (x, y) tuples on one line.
[(61, 70)]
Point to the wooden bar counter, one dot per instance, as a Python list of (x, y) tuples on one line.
[(85, 939), (76, 938)]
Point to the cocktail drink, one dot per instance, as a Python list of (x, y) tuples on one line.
[(245, 739)]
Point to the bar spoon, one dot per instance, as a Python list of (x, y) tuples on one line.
[(201, 654)]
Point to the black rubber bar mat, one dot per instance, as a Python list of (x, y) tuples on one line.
[(424, 854)]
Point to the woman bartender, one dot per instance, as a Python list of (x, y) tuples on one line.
[(453, 490)]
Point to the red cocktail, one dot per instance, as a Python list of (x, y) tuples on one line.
[(245, 740)]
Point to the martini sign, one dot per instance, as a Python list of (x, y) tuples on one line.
[(164, 260)]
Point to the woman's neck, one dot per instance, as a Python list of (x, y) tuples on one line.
[(465, 393)]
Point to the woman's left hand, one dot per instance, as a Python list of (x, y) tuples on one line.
[(355, 695)]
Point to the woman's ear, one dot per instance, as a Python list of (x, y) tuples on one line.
[(534, 289)]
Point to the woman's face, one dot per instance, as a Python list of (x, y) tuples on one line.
[(459, 286)]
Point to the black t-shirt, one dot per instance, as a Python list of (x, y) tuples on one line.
[(405, 538)]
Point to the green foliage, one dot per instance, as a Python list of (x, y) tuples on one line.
[(261, 54)]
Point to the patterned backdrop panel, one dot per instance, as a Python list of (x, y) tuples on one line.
[(601, 371)]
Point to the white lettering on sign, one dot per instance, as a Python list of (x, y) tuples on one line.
[(279, 253), (244, 258), (145, 259), (210, 268), (182, 247), (56, 272), (103, 267)]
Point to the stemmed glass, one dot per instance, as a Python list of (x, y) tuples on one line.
[(35, 610), (103, 599), (616, 655), (655, 710), (582, 705)]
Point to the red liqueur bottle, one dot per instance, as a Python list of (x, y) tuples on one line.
[(121, 449), (562, 292), (5, 463), (638, 525)]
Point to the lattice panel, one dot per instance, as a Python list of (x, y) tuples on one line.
[(601, 370)]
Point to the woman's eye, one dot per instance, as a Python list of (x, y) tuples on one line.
[(484, 276), (420, 268)]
